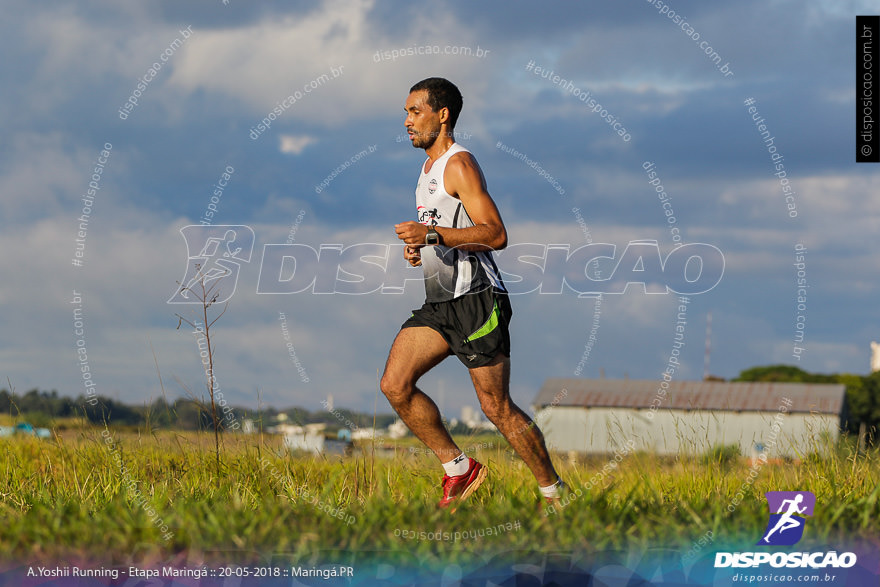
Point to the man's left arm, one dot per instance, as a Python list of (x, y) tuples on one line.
[(464, 179)]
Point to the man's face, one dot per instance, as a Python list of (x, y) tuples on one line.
[(422, 123)]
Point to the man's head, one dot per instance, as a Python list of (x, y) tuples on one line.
[(432, 103)]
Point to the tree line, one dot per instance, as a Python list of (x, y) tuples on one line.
[(44, 408)]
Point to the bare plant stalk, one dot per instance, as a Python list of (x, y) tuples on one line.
[(207, 297)]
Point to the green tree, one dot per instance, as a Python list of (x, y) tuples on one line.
[(862, 392), (783, 374)]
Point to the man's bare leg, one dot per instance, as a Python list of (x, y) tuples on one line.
[(415, 351), (492, 383)]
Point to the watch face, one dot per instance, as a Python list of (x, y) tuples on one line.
[(432, 238)]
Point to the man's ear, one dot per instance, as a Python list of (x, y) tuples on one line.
[(444, 115)]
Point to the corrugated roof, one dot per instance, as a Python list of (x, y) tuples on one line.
[(692, 395)]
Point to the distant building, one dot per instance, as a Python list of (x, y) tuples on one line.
[(365, 434), (24, 428), (689, 417), (308, 438), (397, 429), (473, 418), (470, 416)]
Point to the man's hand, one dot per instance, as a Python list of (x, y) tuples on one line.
[(413, 255), (411, 232)]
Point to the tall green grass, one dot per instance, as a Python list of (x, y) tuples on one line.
[(69, 498)]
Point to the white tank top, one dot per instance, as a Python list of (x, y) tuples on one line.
[(450, 273)]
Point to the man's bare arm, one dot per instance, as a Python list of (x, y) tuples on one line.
[(464, 180)]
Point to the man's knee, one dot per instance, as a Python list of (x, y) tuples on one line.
[(396, 389)]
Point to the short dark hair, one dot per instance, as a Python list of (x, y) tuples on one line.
[(442, 93)]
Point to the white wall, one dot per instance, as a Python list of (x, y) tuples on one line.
[(604, 430)]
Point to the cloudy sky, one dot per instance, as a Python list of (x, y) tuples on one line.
[(347, 64)]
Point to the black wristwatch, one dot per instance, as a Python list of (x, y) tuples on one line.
[(433, 237)]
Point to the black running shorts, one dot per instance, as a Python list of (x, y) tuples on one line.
[(473, 325)]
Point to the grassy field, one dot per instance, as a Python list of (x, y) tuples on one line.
[(99, 495)]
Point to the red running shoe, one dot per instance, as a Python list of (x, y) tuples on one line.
[(461, 486)]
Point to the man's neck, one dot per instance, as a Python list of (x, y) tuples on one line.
[(440, 146)]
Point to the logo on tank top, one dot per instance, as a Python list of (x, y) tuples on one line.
[(432, 186), (427, 216)]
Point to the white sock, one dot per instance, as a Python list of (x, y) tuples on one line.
[(551, 490), (457, 466)]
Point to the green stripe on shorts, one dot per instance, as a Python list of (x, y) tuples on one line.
[(486, 328)]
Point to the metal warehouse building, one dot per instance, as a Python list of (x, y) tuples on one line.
[(606, 415)]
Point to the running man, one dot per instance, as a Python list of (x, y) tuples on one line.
[(466, 310)]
